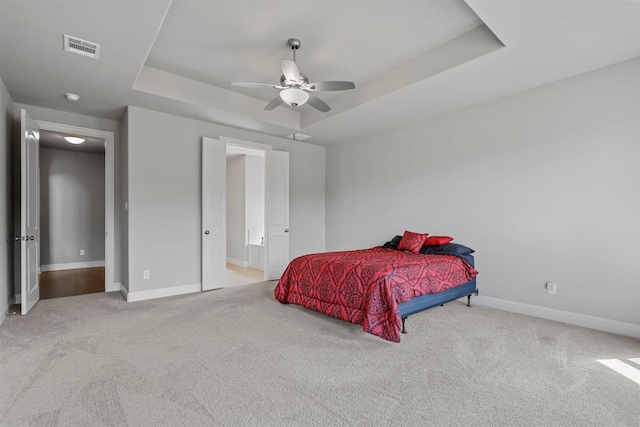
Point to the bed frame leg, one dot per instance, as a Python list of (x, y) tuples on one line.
[(469, 298), (404, 331)]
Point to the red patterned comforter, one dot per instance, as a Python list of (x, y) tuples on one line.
[(365, 286)]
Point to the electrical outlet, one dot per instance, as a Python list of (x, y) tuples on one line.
[(551, 288), (81, 251), (146, 274)]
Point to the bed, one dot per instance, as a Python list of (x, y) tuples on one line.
[(379, 287)]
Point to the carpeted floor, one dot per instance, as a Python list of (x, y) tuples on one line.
[(237, 357)]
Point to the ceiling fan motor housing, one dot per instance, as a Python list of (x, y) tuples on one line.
[(303, 80)]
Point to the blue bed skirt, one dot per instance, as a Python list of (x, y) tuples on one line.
[(424, 302)]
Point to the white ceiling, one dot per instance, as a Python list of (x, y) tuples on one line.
[(409, 59)]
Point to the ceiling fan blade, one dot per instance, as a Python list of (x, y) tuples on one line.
[(330, 86), (274, 103), (290, 70), (245, 84), (318, 103)]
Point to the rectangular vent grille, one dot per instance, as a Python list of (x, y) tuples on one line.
[(81, 47)]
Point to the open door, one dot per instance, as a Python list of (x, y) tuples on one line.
[(214, 214), (29, 212), (277, 214)]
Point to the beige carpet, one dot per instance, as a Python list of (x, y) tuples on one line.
[(237, 357)]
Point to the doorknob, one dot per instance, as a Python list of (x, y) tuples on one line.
[(206, 232), (31, 237), (286, 230), (17, 238)]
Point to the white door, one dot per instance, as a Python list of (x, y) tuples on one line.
[(29, 212), (214, 214), (277, 214)]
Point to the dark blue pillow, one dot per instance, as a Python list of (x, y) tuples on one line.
[(393, 243), (451, 249), (448, 249)]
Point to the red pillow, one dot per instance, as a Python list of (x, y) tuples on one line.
[(437, 240), (412, 242)]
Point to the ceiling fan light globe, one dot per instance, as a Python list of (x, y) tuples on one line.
[(294, 97)]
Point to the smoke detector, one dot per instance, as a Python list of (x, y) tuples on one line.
[(81, 47)]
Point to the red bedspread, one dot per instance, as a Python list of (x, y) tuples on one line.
[(365, 286)]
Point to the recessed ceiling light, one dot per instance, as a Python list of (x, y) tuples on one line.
[(73, 139), (72, 96)]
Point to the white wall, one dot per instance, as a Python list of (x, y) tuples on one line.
[(72, 207), (236, 209), (544, 185), (6, 200), (164, 191)]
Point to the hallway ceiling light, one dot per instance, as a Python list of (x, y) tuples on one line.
[(72, 97), (73, 139)]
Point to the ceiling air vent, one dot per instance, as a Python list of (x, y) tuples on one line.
[(81, 47)]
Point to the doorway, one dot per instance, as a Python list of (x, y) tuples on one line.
[(214, 211), (102, 267), (72, 215), (245, 214)]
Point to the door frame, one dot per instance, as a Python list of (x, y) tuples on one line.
[(109, 193)]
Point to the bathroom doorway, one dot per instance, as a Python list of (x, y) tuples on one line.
[(245, 214)]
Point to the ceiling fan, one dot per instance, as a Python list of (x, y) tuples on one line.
[(295, 87)]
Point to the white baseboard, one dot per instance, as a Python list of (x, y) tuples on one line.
[(584, 320), (238, 262), (160, 293), (113, 287), (17, 299), (72, 265)]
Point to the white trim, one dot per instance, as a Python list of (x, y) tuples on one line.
[(238, 262), (161, 293), (584, 320), (243, 143), (109, 189), (115, 287), (72, 266)]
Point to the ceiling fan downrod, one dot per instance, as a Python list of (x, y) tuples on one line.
[(294, 44)]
